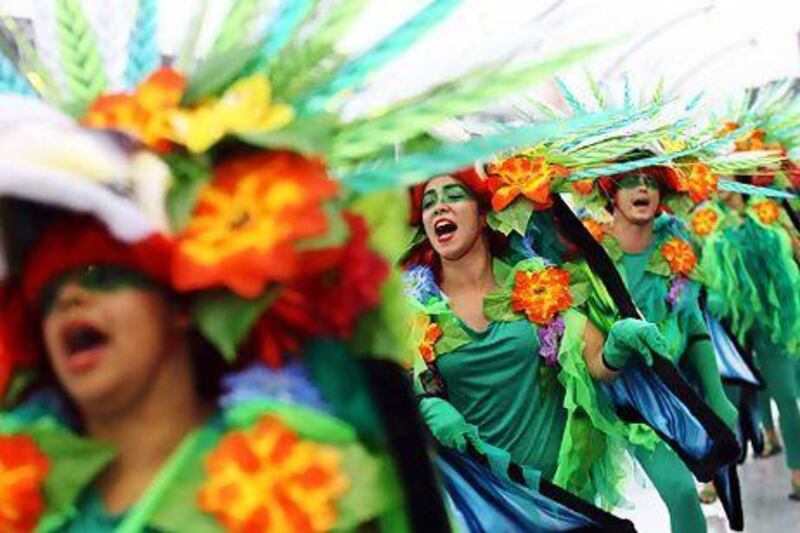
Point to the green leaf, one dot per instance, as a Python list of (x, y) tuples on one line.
[(453, 334), (658, 265), (309, 136), (190, 175), (74, 464), (497, 306), (307, 422), (515, 217), (225, 318), (612, 247), (386, 214), (580, 293)]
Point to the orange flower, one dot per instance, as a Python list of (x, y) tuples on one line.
[(768, 211), (143, 114), (727, 128), (704, 221), (583, 187), (521, 175), (679, 255), (248, 223), (541, 294), (597, 230), (700, 183), (433, 332), (267, 479), (23, 469)]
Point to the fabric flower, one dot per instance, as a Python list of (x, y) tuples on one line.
[(753, 140), (700, 182), (597, 230), (583, 187), (248, 224), (288, 384), (432, 332), (704, 221), (142, 115), (419, 283), (522, 175), (542, 294), (267, 479), (550, 340), (679, 255), (23, 469), (767, 211), (246, 107), (676, 289), (329, 303)]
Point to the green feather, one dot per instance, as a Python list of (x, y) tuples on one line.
[(80, 56), (237, 26)]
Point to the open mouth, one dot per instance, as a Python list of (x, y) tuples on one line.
[(82, 337), (641, 202), (444, 227)]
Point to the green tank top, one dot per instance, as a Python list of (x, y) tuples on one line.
[(499, 384)]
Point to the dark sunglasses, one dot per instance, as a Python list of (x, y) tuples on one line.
[(636, 180), (98, 278)]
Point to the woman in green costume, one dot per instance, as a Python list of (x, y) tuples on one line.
[(507, 363)]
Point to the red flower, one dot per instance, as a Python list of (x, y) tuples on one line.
[(700, 183), (247, 227), (329, 303), (583, 187), (23, 469)]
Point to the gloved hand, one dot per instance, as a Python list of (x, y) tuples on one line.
[(631, 337), (449, 426)]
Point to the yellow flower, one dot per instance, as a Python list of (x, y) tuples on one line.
[(246, 107)]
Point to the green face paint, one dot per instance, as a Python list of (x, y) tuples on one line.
[(96, 278), (636, 181), (449, 194)]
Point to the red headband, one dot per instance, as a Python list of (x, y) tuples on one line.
[(77, 240), (468, 176)]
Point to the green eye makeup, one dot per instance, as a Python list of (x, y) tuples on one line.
[(632, 182), (97, 278), (449, 194)]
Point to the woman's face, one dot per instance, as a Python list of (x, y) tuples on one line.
[(450, 217), (106, 346), (637, 198)]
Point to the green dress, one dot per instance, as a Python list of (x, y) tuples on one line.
[(499, 383)]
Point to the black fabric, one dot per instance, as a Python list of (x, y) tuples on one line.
[(726, 481), (394, 399), (792, 214), (750, 421)]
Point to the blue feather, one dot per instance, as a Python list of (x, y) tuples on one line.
[(354, 73), (143, 54), (568, 95), (283, 26), (11, 81)]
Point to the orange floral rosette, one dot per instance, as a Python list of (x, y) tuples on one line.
[(583, 187), (767, 211), (267, 479), (427, 345), (23, 470), (700, 182), (542, 294), (520, 175), (247, 223), (704, 221), (597, 230), (679, 255)]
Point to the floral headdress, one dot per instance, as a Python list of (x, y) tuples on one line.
[(243, 161)]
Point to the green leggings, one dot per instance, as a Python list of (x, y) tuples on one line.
[(782, 386), (675, 485)]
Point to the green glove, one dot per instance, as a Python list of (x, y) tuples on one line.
[(448, 425), (630, 337)]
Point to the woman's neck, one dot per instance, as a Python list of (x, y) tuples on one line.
[(633, 238), (147, 433), (472, 271)]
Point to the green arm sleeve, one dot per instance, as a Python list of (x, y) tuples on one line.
[(700, 354)]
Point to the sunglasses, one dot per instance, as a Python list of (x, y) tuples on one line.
[(95, 278), (637, 180)]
